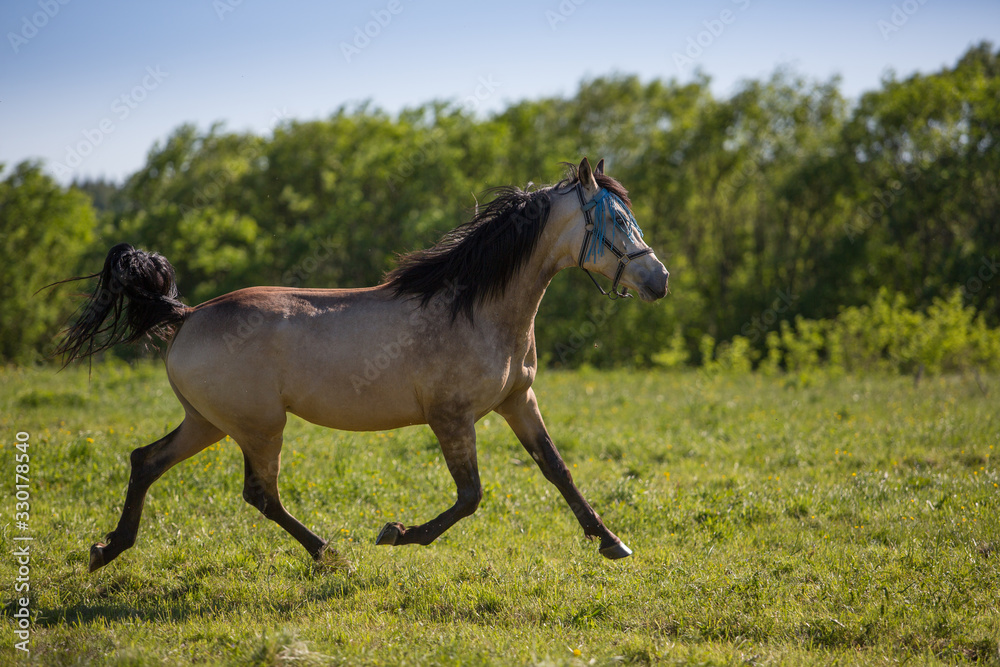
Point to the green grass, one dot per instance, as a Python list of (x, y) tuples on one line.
[(773, 522)]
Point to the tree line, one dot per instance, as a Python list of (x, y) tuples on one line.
[(784, 202)]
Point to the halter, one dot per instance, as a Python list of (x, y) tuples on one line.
[(596, 240)]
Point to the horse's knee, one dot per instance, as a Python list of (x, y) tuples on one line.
[(138, 456), (142, 472), (468, 500), (256, 496), (150, 461)]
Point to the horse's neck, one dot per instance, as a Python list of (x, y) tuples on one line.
[(515, 311)]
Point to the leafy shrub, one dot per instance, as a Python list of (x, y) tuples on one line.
[(675, 355), (885, 336), (888, 336)]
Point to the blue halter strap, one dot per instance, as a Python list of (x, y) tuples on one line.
[(603, 208)]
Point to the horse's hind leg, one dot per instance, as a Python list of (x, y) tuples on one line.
[(457, 436), (521, 413), (261, 463), (148, 464)]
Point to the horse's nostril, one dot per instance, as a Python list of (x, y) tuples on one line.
[(657, 285)]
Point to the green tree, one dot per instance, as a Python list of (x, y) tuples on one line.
[(783, 193), (44, 231)]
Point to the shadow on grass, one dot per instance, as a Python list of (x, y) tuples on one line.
[(129, 598)]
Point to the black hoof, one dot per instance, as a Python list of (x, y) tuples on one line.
[(97, 557), (390, 533), (616, 551)]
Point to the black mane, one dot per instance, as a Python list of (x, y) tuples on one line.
[(475, 262)]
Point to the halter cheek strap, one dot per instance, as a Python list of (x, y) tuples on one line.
[(602, 241)]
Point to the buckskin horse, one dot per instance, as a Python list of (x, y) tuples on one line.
[(455, 320)]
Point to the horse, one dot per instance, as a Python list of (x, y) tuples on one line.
[(447, 338)]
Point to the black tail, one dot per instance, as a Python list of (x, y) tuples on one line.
[(136, 297)]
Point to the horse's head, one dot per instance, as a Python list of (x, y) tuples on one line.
[(601, 235)]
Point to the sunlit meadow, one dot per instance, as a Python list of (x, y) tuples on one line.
[(775, 520)]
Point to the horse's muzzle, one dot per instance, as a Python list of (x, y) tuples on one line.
[(655, 285)]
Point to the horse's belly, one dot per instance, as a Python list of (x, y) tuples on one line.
[(353, 403)]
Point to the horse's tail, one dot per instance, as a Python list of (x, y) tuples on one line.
[(136, 297)]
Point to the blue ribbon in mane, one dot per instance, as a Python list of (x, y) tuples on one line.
[(606, 204)]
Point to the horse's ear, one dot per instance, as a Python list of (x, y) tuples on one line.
[(599, 169), (586, 176)]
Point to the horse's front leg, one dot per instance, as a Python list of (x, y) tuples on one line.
[(521, 413), (457, 435)]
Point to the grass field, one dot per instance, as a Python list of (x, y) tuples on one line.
[(774, 521)]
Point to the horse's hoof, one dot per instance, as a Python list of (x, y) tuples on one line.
[(321, 552), (389, 534), (616, 551), (331, 560), (97, 556)]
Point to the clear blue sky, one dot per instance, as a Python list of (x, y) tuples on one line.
[(65, 67)]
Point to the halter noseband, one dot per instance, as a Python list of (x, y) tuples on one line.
[(606, 203)]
